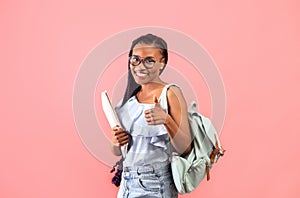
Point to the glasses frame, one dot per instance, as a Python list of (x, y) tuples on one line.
[(142, 60)]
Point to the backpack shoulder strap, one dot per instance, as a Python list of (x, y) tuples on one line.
[(163, 100)]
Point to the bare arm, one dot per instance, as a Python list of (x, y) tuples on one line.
[(176, 122)]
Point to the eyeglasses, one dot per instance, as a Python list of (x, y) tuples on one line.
[(148, 62)]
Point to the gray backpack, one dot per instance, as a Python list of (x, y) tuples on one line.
[(190, 170)]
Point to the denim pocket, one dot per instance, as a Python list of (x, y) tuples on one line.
[(150, 183)]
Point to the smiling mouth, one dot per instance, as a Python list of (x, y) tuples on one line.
[(139, 74)]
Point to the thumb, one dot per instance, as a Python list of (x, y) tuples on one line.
[(157, 104)]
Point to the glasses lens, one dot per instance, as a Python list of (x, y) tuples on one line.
[(135, 60), (149, 62)]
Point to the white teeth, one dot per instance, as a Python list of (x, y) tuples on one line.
[(140, 74)]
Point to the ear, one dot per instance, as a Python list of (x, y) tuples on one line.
[(163, 59), (161, 69)]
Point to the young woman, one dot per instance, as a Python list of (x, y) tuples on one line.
[(149, 131)]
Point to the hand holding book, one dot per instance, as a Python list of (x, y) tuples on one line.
[(119, 136)]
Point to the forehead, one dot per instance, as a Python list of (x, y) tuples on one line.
[(144, 50)]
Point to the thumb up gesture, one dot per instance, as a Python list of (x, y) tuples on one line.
[(156, 115)]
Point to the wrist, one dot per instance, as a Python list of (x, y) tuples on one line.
[(116, 150), (115, 145)]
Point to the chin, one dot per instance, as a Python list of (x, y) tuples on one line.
[(140, 82)]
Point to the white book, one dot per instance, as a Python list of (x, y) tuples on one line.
[(111, 116), (109, 110)]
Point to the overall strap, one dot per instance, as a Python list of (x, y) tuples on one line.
[(163, 100)]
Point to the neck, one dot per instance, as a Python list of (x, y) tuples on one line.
[(151, 86)]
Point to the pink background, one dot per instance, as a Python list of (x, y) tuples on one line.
[(255, 45)]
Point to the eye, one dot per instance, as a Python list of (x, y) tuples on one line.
[(134, 59), (149, 60)]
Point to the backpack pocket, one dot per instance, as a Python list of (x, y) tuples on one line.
[(195, 174)]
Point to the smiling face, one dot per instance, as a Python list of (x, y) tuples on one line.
[(150, 55)]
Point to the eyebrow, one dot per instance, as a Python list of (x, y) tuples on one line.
[(144, 57)]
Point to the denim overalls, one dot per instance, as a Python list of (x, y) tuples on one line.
[(146, 168)]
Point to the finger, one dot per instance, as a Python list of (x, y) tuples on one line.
[(115, 141), (117, 137), (123, 134), (157, 105), (151, 110), (149, 120), (152, 122), (122, 139), (155, 121), (118, 141), (120, 133), (115, 128), (147, 111), (120, 130), (155, 99), (124, 142), (148, 115)]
